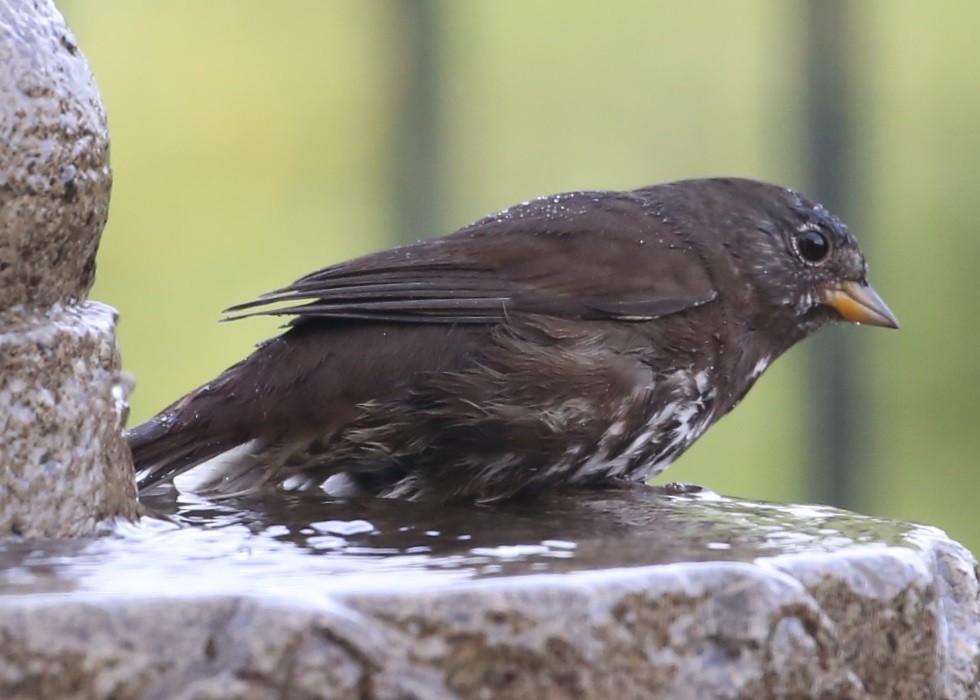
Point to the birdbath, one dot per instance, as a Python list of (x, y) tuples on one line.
[(635, 592), (620, 593)]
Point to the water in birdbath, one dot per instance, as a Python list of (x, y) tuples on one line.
[(298, 545)]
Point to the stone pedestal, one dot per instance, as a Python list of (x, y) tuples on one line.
[(63, 463), (583, 595)]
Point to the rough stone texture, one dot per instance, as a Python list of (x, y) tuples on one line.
[(909, 599), (642, 596), (54, 159), (63, 463)]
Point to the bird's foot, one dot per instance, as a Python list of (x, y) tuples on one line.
[(676, 488)]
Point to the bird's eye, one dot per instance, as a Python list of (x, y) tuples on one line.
[(811, 245)]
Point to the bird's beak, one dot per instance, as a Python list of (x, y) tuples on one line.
[(859, 303)]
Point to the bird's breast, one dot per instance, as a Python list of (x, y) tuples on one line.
[(650, 430)]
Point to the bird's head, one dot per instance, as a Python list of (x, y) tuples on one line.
[(802, 262)]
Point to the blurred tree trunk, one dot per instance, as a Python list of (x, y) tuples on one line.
[(837, 424), (417, 162)]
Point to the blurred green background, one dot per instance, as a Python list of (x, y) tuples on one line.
[(253, 142)]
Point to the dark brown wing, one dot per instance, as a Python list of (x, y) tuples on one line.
[(584, 255)]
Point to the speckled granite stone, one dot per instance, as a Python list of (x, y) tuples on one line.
[(63, 463), (54, 159)]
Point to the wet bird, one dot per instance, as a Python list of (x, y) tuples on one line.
[(578, 339)]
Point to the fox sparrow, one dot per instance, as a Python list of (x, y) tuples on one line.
[(575, 339)]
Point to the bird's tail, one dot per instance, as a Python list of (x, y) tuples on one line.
[(163, 449), (195, 429)]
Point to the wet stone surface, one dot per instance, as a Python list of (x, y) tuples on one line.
[(64, 464), (584, 594)]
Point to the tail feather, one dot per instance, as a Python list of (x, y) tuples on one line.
[(194, 429), (164, 448)]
